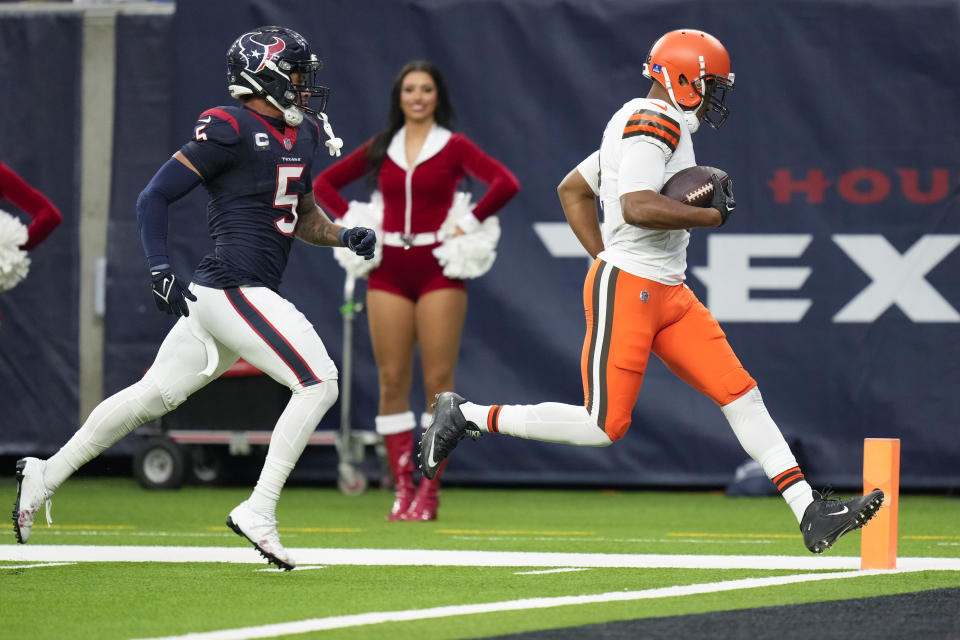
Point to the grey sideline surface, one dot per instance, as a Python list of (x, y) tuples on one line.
[(930, 615)]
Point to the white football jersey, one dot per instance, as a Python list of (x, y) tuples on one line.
[(644, 144)]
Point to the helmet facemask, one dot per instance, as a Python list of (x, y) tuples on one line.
[(712, 90), (307, 88), (275, 84)]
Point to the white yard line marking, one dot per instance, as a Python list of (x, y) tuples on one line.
[(226, 533), (449, 558), (673, 541), (515, 532), (340, 622), (564, 570), (300, 567), (33, 566)]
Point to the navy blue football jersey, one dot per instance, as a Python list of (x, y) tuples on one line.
[(255, 169)]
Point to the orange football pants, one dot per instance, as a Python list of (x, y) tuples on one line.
[(627, 318)]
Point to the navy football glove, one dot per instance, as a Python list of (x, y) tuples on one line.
[(170, 293), (723, 198), (361, 240)]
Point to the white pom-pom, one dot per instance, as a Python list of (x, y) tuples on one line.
[(362, 214), (460, 209), (469, 255), (14, 261)]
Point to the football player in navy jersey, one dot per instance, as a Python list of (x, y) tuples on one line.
[(255, 161)]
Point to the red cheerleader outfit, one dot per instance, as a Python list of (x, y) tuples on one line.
[(415, 203), (45, 216)]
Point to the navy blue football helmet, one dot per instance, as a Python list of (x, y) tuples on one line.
[(260, 62)]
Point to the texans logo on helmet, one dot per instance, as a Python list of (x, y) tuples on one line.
[(257, 53)]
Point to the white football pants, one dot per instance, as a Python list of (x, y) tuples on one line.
[(254, 323)]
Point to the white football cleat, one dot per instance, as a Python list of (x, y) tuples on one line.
[(262, 532), (32, 494)]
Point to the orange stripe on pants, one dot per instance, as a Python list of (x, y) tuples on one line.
[(627, 318)]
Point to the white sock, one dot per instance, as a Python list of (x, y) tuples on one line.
[(476, 413), (112, 419), (548, 421), (799, 497), (391, 423), (761, 439), (299, 419)]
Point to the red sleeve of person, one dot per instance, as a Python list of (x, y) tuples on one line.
[(45, 215)]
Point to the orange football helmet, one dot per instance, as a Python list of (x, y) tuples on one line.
[(692, 66)]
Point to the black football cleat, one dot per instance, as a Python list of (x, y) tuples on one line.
[(446, 430), (826, 520)]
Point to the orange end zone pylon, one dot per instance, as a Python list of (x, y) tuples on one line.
[(881, 470)]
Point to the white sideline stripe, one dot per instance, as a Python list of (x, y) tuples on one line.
[(340, 622), (564, 570), (33, 566), (449, 558)]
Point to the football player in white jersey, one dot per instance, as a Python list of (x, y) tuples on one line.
[(635, 298)]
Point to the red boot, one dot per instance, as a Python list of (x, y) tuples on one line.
[(400, 452), (424, 505)]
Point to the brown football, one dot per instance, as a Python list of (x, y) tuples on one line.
[(693, 185)]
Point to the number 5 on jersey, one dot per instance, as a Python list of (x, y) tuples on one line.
[(285, 173), (198, 133)]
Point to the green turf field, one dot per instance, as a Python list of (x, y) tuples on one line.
[(361, 577)]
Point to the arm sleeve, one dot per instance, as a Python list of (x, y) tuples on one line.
[(642, 167), (337, 176), (589, 168), (173, 181), (45, 215), (502, 184)]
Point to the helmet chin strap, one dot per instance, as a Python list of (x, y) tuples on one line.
[(293, 116), (693, 122), (334, 144)]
